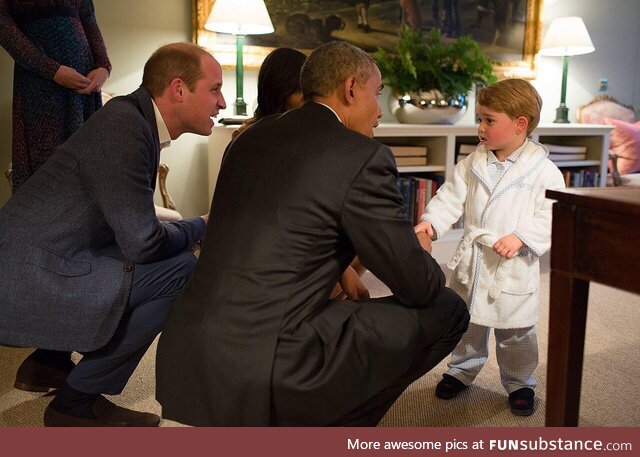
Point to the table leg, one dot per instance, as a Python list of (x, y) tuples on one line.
[(567, 321)]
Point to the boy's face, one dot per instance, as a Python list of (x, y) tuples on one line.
[(500, 133)]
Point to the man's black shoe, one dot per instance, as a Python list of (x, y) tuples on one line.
[(41, 373), (449, 387), (521, 401), (106, 414)]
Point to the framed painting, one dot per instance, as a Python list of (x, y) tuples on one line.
[(509, 31)]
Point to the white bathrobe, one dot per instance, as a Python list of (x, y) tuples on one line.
[(501, 293)]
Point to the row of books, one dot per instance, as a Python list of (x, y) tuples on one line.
[(417, 155), (409, 155), (581, 178), (417, 191), (557, 152)]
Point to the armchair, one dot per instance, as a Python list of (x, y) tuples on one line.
[(624, 153)]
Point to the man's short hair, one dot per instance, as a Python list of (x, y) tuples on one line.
[(515, 98), (176, 60), (330, 64)]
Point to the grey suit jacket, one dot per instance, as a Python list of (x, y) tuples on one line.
[(254, 331), (71, 236)]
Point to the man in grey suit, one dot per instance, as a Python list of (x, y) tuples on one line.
[(254, 338), (85, 265)]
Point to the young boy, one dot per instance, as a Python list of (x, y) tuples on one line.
[(500, 190)]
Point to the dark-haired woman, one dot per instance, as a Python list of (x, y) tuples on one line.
[(278, 85)]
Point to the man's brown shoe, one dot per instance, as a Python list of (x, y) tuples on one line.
[(35, 376), (107, 415)]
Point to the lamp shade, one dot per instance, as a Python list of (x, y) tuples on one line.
[(239, 17), (567, 36)]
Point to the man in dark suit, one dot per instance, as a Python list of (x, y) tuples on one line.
[(85, 265), (254, 338)]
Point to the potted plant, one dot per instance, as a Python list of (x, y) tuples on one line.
[(431, 78)]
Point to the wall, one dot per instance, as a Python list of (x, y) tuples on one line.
[(133, 29), (615, 32)]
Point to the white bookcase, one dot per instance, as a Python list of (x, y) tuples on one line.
[(441, 141)]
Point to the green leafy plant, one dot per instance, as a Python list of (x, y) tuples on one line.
[(422, 63)]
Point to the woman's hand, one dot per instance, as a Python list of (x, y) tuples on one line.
[(97, 79), (70, 78)]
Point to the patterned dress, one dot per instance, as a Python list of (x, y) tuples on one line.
[(41, 35)]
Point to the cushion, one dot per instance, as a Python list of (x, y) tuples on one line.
[(625, 143)]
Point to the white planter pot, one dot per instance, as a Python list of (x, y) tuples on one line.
[(429, 107)]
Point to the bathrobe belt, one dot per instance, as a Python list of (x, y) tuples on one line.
[(462, 259)]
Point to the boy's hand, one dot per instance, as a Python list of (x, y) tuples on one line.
[(507, 246), (425, 227)]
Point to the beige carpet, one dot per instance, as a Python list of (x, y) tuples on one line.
[(610, 387)]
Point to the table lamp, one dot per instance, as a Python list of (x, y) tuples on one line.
[(567, 36), (239, 18)]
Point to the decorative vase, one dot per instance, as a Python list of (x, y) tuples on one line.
[(429, 107)]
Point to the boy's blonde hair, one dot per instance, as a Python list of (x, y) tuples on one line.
[(515, 98)]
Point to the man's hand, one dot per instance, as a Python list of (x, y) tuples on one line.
[(71, 79), (350, 287), (425, 241), (205, 218), (97, 77), (507, 246), (425, 227)]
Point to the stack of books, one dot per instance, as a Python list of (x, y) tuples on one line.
[(559, 153), (409, 155), (464, 150)]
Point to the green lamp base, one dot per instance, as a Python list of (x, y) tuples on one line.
[(240, 107), (562, 115)]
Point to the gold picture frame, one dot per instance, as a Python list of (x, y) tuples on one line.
[(513, 64)]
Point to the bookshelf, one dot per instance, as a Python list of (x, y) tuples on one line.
[(441, 141)]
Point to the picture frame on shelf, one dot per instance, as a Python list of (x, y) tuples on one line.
[(508, 31)]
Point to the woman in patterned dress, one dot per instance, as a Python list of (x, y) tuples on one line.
[(61, 64)]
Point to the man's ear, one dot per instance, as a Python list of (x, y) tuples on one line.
[(177, 88), (349, 89)]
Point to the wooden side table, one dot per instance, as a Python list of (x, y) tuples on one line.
[(595, 237)]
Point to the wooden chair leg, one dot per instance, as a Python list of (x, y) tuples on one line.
[(167, 201), (615, 174), (9, 175)]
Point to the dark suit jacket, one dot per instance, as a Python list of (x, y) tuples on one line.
[(70, 237), (254, 339)]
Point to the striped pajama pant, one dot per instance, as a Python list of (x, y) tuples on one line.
[(516, 352)]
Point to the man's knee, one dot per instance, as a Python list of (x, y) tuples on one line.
[(447, 316), (452, 303), (185, 263)]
